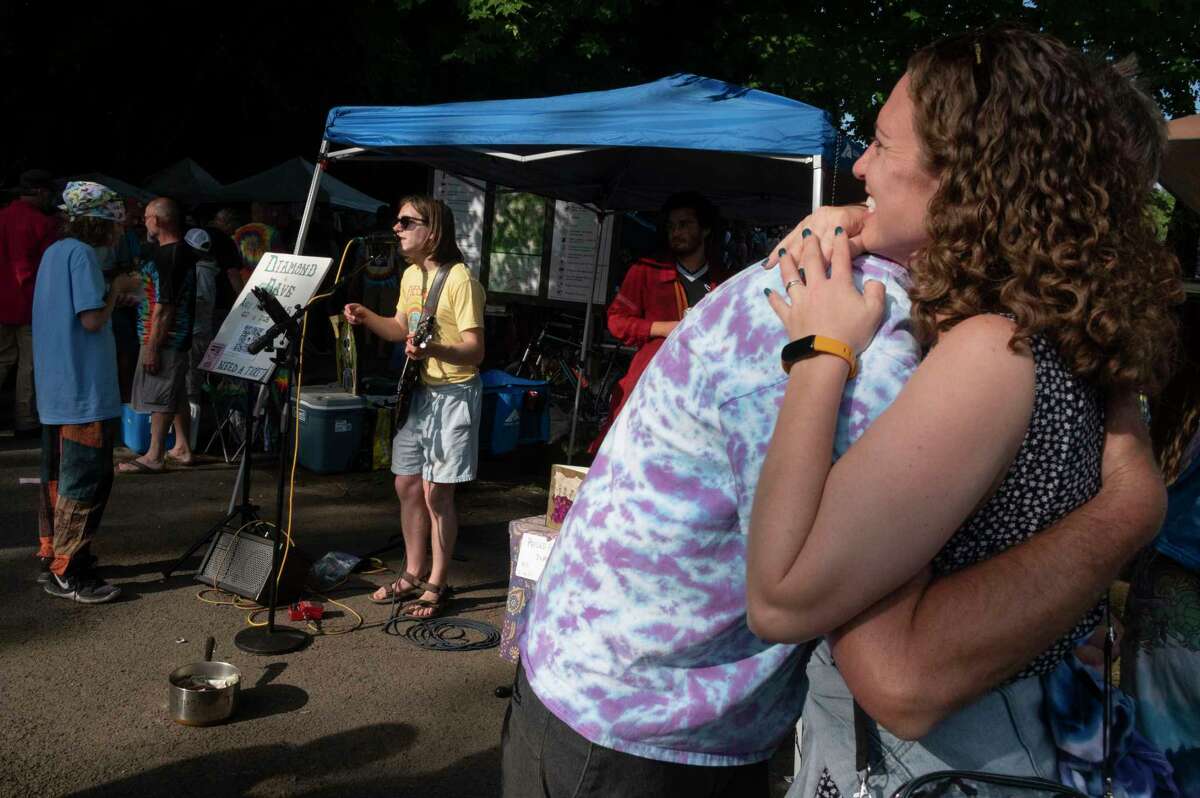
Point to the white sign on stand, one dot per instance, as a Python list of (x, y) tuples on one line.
[(467, 202), (293, 279), (577, 236)]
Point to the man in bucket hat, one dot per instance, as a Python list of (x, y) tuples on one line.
[(75, 368), (26, 229)]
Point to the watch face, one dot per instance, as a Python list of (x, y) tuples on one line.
[(798, 349)]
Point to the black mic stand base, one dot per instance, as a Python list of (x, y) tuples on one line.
[(264, 641)]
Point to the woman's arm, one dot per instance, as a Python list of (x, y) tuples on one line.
[(932, 647), (825, 543)]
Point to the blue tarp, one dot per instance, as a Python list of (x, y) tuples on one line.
[(746, 149)]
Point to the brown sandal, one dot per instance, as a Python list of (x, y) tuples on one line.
[(437, 605), (393, 595)]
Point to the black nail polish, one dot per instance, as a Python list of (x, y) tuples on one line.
[(837, 231), (782, 251), (766, 292), (805, 233)]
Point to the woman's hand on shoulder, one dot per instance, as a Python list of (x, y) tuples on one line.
[(822, 223)]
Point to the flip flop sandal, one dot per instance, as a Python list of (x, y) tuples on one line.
[(437, 606), (138, 467), (392, 595)]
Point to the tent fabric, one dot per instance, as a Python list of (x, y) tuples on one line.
[(186, 181), (681, 112), (1180, 172), (290, 181), (624, 149)]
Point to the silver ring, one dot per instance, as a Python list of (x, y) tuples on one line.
[(790, 283)]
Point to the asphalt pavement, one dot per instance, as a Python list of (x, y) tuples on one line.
[(84, 691)]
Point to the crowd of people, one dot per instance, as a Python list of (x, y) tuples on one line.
[(882, 482)]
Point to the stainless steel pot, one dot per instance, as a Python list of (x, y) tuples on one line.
[(204, 693)]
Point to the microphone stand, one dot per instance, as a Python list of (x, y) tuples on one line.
[(270, 639)]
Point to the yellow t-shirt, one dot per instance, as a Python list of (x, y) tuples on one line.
[(460, 307)]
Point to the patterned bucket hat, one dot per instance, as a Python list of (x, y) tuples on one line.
[(84, 198)]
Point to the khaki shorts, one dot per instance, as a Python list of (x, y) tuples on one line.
[(440, 441), (161, 392)]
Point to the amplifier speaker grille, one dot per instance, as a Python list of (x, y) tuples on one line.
[(241, 564)]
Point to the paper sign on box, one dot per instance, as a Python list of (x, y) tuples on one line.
[(531, 560)]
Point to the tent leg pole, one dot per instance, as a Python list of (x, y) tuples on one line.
[(818, 183), (310, 203), (585, 345)]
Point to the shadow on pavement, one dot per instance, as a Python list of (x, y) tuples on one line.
[(238, 772)]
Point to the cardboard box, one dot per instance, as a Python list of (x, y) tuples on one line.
[(529, 544), (564, 486)]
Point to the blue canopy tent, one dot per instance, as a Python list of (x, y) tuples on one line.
[(758, 156)]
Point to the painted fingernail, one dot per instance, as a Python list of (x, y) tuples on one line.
[(805, 233), (766, 292), (782, 251), (837, 231)]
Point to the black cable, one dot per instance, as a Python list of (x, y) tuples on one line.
[(444, 634)]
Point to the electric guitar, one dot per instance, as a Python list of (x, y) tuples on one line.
[(410, 374)]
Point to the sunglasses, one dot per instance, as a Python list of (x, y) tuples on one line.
[(409, 222)]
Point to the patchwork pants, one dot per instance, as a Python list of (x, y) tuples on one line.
[(76, 477)]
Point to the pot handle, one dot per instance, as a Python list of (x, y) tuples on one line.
[(209, 645)]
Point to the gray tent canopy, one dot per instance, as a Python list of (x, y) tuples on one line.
[(186, 181), (291, 180)]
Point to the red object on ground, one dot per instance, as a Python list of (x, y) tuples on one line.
[(306, 611)]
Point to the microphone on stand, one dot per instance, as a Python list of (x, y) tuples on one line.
[(269, 305), (379, 238)]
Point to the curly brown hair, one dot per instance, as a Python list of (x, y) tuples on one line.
[(1046, 165)]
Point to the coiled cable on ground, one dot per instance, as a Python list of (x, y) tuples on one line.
[(443, 634)]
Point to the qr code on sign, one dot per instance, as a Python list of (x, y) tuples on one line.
[(249, 333)]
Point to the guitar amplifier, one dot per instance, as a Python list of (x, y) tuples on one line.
[(241, 564)]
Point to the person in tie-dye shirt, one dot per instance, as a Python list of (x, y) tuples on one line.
[(637, 638)]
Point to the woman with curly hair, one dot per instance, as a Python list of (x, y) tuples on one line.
[(1010, 177)]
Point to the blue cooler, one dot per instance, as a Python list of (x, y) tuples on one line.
[(135, 430), (331, 427), (515, 411)]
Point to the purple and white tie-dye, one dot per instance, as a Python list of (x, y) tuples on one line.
[(637, 637)]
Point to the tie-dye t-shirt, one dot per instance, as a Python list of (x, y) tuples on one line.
[(637, 637)]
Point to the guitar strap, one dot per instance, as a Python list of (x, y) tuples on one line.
[(435, 292)]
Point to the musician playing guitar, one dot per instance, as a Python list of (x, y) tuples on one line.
[(437, 447)]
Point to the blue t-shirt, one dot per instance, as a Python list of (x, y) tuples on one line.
[(74, 371)]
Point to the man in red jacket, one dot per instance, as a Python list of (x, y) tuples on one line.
[(656, 292), (27, 228)]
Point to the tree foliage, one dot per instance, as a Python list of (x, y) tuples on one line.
[(239, 86)]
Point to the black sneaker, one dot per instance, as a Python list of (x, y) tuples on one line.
[(85, 590), (87, 562)]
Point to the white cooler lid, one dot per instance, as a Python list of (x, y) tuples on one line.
[(324, 399)]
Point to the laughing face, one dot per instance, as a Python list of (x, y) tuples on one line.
[(899, 187)]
